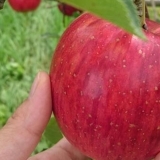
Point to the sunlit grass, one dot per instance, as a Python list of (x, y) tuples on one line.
[(154, 13), (27, 42)]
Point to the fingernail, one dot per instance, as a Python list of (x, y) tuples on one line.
[(34, 85)]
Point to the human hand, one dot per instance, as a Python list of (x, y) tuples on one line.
[(21, 134)]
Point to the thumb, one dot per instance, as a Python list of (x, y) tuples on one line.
[(20, 135)]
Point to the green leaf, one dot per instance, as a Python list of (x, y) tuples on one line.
[(121, 12), (52, 133)]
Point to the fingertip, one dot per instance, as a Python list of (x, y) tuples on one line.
[(40, 102), (42, 79)]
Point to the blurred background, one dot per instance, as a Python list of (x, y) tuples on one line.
[(27, 43)]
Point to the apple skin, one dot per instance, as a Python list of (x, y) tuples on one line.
[(106, 89), (24, 5), (67, 9)]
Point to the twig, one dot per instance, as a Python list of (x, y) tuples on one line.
[(141, 8), (2, 4)]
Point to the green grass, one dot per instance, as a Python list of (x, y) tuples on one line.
[(152, 13), (27, 43)]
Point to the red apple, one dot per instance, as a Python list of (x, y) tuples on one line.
[(106, 89), (24, 5), (67, 9)]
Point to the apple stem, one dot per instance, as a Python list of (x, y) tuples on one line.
[(143, 18), (141, 7)]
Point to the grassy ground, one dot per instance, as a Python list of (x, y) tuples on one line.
[(154, 13), (27, 42)]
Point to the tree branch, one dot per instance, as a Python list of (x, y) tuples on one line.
[(2, 4), (139, 4)]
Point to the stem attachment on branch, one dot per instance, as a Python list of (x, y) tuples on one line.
[(2, 4), (141, 7)]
